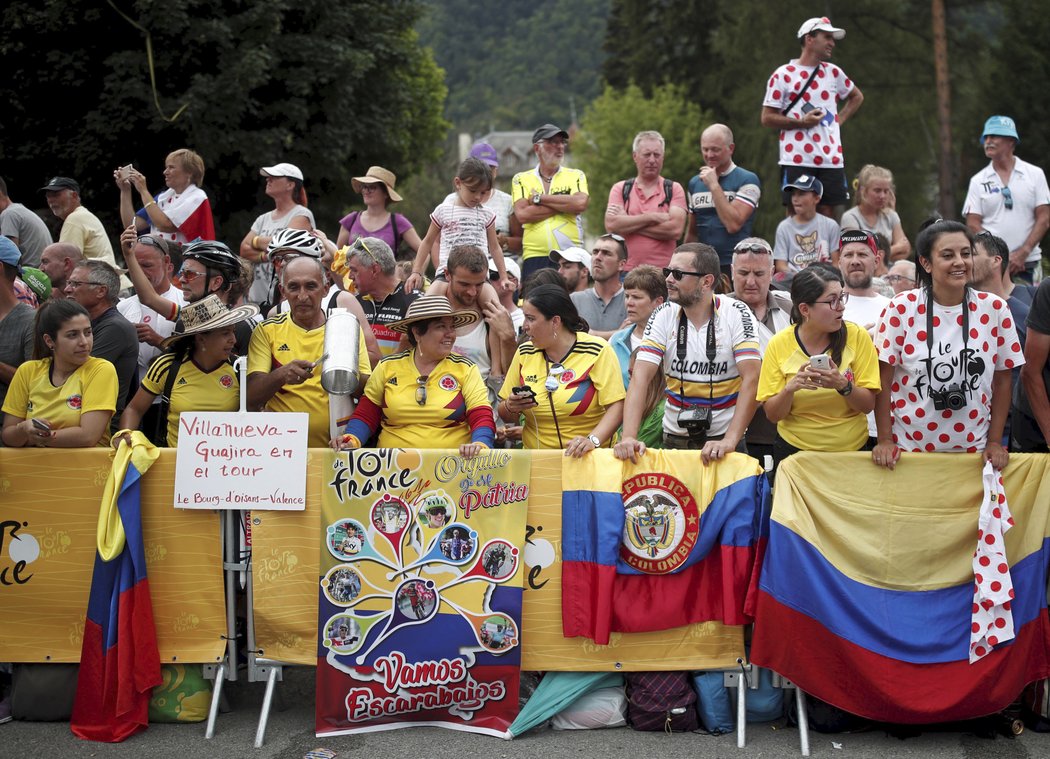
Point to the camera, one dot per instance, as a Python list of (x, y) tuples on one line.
[(696, 421), (951, 398)]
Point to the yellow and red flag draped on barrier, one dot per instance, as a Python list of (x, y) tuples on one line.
[(419, 604), (866, 597)]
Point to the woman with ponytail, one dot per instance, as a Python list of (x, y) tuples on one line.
[(820, 376), (563, 385), (874, 212), (284, 185)]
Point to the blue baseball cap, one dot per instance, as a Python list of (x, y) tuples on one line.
[(10, 254), (1000, 126), (806, 183)]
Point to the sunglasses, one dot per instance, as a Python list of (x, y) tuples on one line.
[(551, 383), (375, 186), (189, 275), (677, 274), (421, 389), (612, 235), (1008, 199), (75, 283), (153, 242), (751, 247), (360, 248)]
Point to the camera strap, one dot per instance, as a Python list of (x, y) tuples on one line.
[(929, 325), (801, 92), (712, 349)]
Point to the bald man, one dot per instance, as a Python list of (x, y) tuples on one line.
[(722, 198), (57, 261)]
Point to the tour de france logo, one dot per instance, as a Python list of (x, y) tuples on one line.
[(662, 523)]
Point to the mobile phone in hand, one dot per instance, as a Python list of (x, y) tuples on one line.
[(821, 361), (41, 425)]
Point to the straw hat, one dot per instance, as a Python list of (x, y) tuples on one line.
[(207, 314), (433, 307), (381, 175)]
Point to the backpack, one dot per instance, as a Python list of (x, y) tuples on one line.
[(393, 223), (661, 701), (628, 185)]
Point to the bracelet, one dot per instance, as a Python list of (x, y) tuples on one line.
[(151, 203), (255, 242)]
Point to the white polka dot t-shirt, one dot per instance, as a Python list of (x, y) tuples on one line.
[(818, 146), (991, 346)]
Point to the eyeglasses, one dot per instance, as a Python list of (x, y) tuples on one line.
[(74, 283), (678, 274), (363, 250), (835, 302), (894, 278), (1008, 199), (551, 383), (751, 247), (421, 389), (188, 275), (375, 186)]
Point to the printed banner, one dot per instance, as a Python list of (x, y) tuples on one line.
[(49, 505), (420, 590), (875, 574), (285, 566)]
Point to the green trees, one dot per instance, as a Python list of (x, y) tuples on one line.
[(331, 87)]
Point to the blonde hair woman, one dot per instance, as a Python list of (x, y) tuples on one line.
[(874, 212)]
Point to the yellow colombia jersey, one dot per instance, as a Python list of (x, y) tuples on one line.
[(453, 388), (592, 380), (560, 231), (278, 341), (92, 387), (194, 389), (820, 420)]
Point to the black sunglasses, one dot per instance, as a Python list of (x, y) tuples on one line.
[(677, 274)]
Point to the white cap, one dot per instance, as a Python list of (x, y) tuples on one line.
[(574, 255), (291, 171), (820, 25), (508, 263)]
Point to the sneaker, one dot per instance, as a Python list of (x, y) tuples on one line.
[(5, 709)]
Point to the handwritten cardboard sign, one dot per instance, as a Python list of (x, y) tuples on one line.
[(229, 460)]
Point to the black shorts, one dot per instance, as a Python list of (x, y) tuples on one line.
[(836, 191)]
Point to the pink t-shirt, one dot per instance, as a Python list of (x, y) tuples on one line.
[(642, 249), (991, 346), (819, 145)]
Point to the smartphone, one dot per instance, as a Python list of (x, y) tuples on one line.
[(124, 171), (41, 425), (822, 361), (525, 390)]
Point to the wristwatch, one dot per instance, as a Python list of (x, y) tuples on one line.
[(535, 198), (595, 441), (847, 389)]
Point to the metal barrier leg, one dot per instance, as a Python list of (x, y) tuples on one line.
[(264, 715), (216, 699), (741, 713), (229, 531), (803, 722)]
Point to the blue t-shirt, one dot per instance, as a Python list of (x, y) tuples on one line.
[(738, 183)]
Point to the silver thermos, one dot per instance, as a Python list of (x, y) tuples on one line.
[(339, 374)]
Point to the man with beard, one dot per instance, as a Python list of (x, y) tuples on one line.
[(549, 201), (603, 305), (574, 266), (859, 257), (711, 359)]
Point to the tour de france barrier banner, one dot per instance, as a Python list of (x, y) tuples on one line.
[(286, 565), (420, 593), (49, 513)]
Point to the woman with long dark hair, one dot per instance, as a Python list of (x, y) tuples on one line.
[(821, 374), (945, 355), (64, 398), (564, 383)]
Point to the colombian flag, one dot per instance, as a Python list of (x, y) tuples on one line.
[(659, 544), (119, 663), (866, 594)]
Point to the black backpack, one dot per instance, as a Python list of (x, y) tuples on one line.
[(628, 185)]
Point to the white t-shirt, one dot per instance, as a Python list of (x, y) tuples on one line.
[(864, 309), (820, 145), (885, 222), (461, 225), (901, 341), (1028, 191), (499, 203), (133, 310), (697, 382), (802, 243), (267, 226)]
